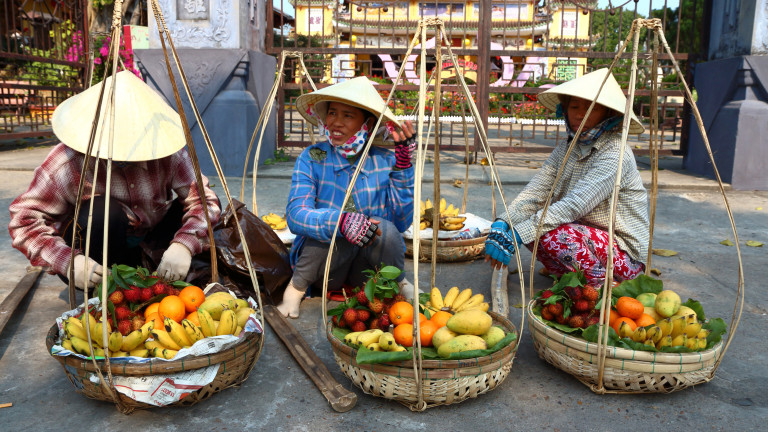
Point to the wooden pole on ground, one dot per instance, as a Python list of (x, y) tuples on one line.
[(12, 301)]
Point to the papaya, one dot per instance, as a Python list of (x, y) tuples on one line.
[(442, 335), (461, 343), (470, 322)]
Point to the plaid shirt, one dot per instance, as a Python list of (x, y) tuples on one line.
[(584, 195), (143, 189), (319, 182)]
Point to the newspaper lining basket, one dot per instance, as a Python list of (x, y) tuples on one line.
[(449, 250), (625, 370), (444, 382), (235, 364)]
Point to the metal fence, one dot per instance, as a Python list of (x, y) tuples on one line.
[(42, 62), (529, 45)]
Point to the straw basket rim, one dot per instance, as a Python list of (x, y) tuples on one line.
[(449, 250)]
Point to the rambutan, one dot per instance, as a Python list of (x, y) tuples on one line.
[(376, 305), (145, 294), (123, 313), (358, 326), (576, 321), (581, 305), (589, 293), (363, 314), (132, 295), (362, 298), (117, 297), (573, 292), (124, 327), (350, 315), (546, 314), (555, 309)]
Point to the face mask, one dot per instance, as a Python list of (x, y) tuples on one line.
[(354, 144)]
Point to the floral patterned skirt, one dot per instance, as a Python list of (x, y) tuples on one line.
[(572, 246)]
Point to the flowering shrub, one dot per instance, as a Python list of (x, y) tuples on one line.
[(100, 58)]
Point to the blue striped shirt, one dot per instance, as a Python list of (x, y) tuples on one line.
[(320, 180)]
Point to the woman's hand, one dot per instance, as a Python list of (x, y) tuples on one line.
[(403, 134), (405, 144)]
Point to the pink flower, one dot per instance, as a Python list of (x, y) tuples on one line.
[(104, 51), (97, 61)]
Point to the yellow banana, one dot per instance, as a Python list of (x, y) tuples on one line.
[(193, 332), (145, 329), (693, 329), (368, 337), (164, 353), (387, 341), (351, 338), (97, 336), (132, 340), (442, 205), (691, 318), (639, 335), (450, 297), (177, 333), (625, 330), (152, 344), (88, 320), (67, 345), (649, 342), (451, 227), (449, 210), (115, 341), (473, 301), (702, 342), (227, 323), (428, 204), (454, 220), (99, 352), (139, 352), (237, 331), (280, 225), (678, 326), (664, 342), (80, 345), (165, 339), (74, 330), (654, 334), (118, 354), (399, 348), (666, 326), (703, 333), (206, 323), (374, 347), (436, 298), (461, 298), (692, 343), (679, 340)]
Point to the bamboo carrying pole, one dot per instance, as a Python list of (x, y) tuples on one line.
[(655, 26), (420, 35)]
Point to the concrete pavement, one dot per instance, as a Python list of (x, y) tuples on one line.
[(278, 396)]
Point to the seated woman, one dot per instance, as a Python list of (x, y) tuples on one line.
[(380, 207), (576, 224)]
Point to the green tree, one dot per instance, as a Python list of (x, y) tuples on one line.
[(612, 29), (689, 21)]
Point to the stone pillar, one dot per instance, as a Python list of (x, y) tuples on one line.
[(733, 96), (220, 45)]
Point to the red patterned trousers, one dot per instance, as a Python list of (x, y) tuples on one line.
[(573, 246)]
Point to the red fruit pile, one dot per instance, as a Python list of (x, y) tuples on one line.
[(581, 303), (368, 314)]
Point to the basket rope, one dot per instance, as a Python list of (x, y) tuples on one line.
[(420, 35), (655, 26)]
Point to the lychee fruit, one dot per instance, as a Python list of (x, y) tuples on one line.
[(581, 305), (123, 313), (159, 288), (376, 305), (358, 326), (363, 315), (117, 297), (362, 298), (589, 293), (132, 295), (350, 315), (145, 294), (124, 327), (576, 321), (137, 322)]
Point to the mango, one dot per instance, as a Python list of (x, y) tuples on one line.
[(667, 303), (647, 299), (240, 304), (442, 335), (216, 305), (493, 336), (461, 343), (470, 322), (242, 315), (652, 312)]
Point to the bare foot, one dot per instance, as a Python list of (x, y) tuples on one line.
[(289, 307)]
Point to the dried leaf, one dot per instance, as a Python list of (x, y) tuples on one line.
[(754, 243), (517, 306), (484, 161), (656, 271), (758, 208), (726, 242), (664, 252), (458, 183)]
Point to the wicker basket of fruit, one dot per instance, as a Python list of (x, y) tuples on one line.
[(465, 350), (654, 344), (211, 342), (464, 249)]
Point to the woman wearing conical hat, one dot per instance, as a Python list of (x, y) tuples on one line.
[(380, 207), (154, 200), (575, 229)]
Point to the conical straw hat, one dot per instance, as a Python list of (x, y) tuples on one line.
[(146, 128), (586, 87), (357, 92)]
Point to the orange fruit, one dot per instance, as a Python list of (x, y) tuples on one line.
[(427, 329), (613, 316), (157, 319), (616, 324), (192, 317), (422, 318), (401, 313), (645, 320), (151, 309), (630, 307), (192, 297), (440, 318), (403, 334), (172, 307)]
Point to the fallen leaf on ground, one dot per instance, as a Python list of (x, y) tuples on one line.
[(656, 271), (484, 161), (726, 242), (517, 306), (758, 208), (664, 252), (754, 243), (458, 183)]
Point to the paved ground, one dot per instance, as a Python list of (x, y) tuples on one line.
[(278, 396)]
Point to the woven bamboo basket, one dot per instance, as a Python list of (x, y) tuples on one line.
[(449, 250), (234, 363), (444, 382), (625, 370)]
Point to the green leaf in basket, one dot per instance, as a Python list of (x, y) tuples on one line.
[(591, 333), (366, 356), (554, 324), (570, 279), (369, 287), (696, 306), (390, 272), (180, 284), (339, 333), (717, 328), (635, 287)]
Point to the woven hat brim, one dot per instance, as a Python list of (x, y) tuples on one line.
[(146, 127), (586, 87)]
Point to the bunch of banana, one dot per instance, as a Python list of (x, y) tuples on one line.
[(681, 330), (456, 301), (449, 216), (274, 221), (76, 338), (374, 340)]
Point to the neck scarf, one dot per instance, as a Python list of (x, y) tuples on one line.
[(355, 143)]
